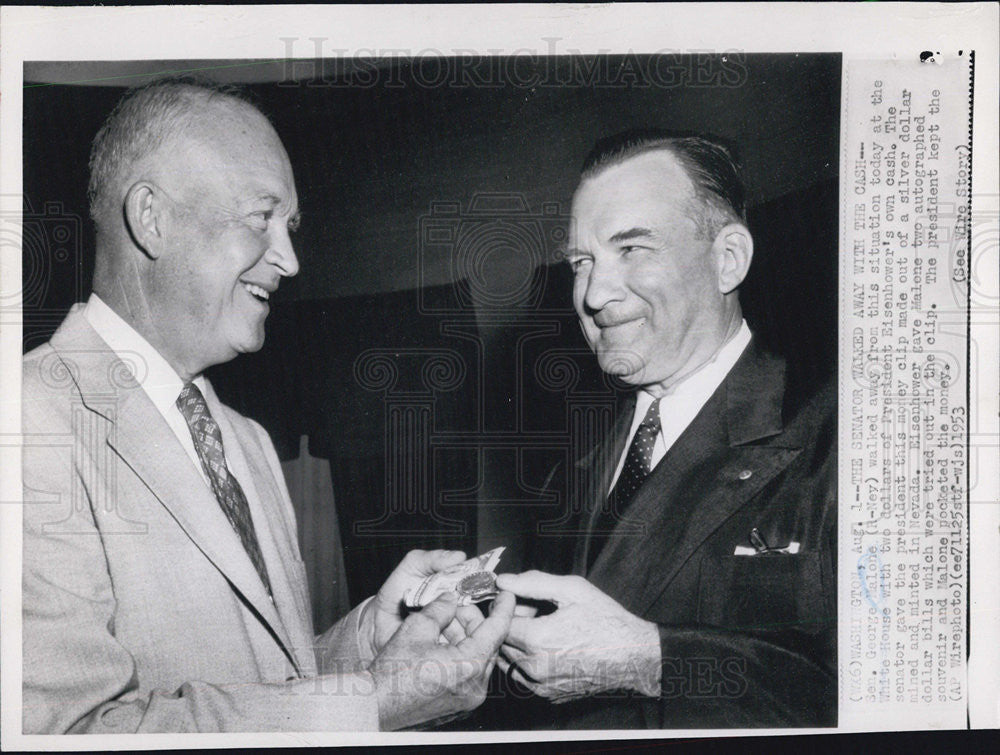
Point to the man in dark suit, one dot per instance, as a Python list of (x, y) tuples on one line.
[(703, 592)]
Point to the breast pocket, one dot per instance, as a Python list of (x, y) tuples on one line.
[(761, 592)]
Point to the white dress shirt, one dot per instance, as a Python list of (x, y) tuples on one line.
[(157, 378), (683, 402)]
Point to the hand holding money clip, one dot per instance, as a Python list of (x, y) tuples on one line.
[(473, 581)]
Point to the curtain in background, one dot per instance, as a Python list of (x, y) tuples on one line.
[(310, 487)]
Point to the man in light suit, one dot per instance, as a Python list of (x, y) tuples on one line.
[(702, 592), (162, 584)]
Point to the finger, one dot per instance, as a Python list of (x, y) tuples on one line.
[(567, 698), (510, 669), (454, 632), (539, 585), (425, 563), (523, 633), (470, 618), (440, 612), (517, 673), (524, 611), (491, 632), (491, 664), (440, 560), (412, 559), (530, 685), (511, 654)]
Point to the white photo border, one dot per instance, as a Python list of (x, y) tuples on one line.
[(863, 31)]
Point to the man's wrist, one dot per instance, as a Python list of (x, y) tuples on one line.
[(366, 630), (386, 711)]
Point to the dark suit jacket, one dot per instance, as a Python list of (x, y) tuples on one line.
[(746, 640)]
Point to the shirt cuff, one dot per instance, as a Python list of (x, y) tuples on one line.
[(364, 643)]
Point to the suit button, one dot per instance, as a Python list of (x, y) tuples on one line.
[(746, 474)]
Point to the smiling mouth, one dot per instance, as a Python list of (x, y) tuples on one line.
[(620, 323), (260, 294)]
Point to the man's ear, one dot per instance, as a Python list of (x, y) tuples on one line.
[(142, 217), (733, 247)]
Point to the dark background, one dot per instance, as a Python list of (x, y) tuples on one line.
[(433, 196)]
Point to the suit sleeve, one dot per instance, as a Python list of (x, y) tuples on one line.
[(746, 679), (341, 649), (78, 678)]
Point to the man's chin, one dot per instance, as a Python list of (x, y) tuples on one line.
[(250, 348), (249, 343), (624, 365)]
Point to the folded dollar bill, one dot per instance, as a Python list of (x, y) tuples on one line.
[(472, 581)]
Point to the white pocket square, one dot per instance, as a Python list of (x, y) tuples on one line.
[(745, 550)]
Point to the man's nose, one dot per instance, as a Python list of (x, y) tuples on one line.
[(604, 285), (282, 254)]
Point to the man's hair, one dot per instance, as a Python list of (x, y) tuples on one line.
[(710, 164), (140, 123)]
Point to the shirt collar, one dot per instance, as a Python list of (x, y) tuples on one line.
[(702, 383), (154, 373)]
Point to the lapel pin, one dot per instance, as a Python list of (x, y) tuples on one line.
[(746, 474)]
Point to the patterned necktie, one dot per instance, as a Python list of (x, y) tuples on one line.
[(638, 464), (208, 443)]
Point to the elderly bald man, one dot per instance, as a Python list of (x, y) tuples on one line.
[(163, 587)]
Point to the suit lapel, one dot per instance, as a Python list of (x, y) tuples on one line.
[(141, 437), (729, 452), (597, 469), (250, 467)]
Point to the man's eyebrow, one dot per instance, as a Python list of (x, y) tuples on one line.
[(632, 233), (271, 199), (274, 201)]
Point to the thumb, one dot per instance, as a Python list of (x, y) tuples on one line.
[(440, 611), (430, 562), (539, 585), (490, 634), (425, 563)]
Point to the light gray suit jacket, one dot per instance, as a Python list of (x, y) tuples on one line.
[(141, 610)]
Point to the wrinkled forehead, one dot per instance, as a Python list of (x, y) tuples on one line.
[(651, 187)]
